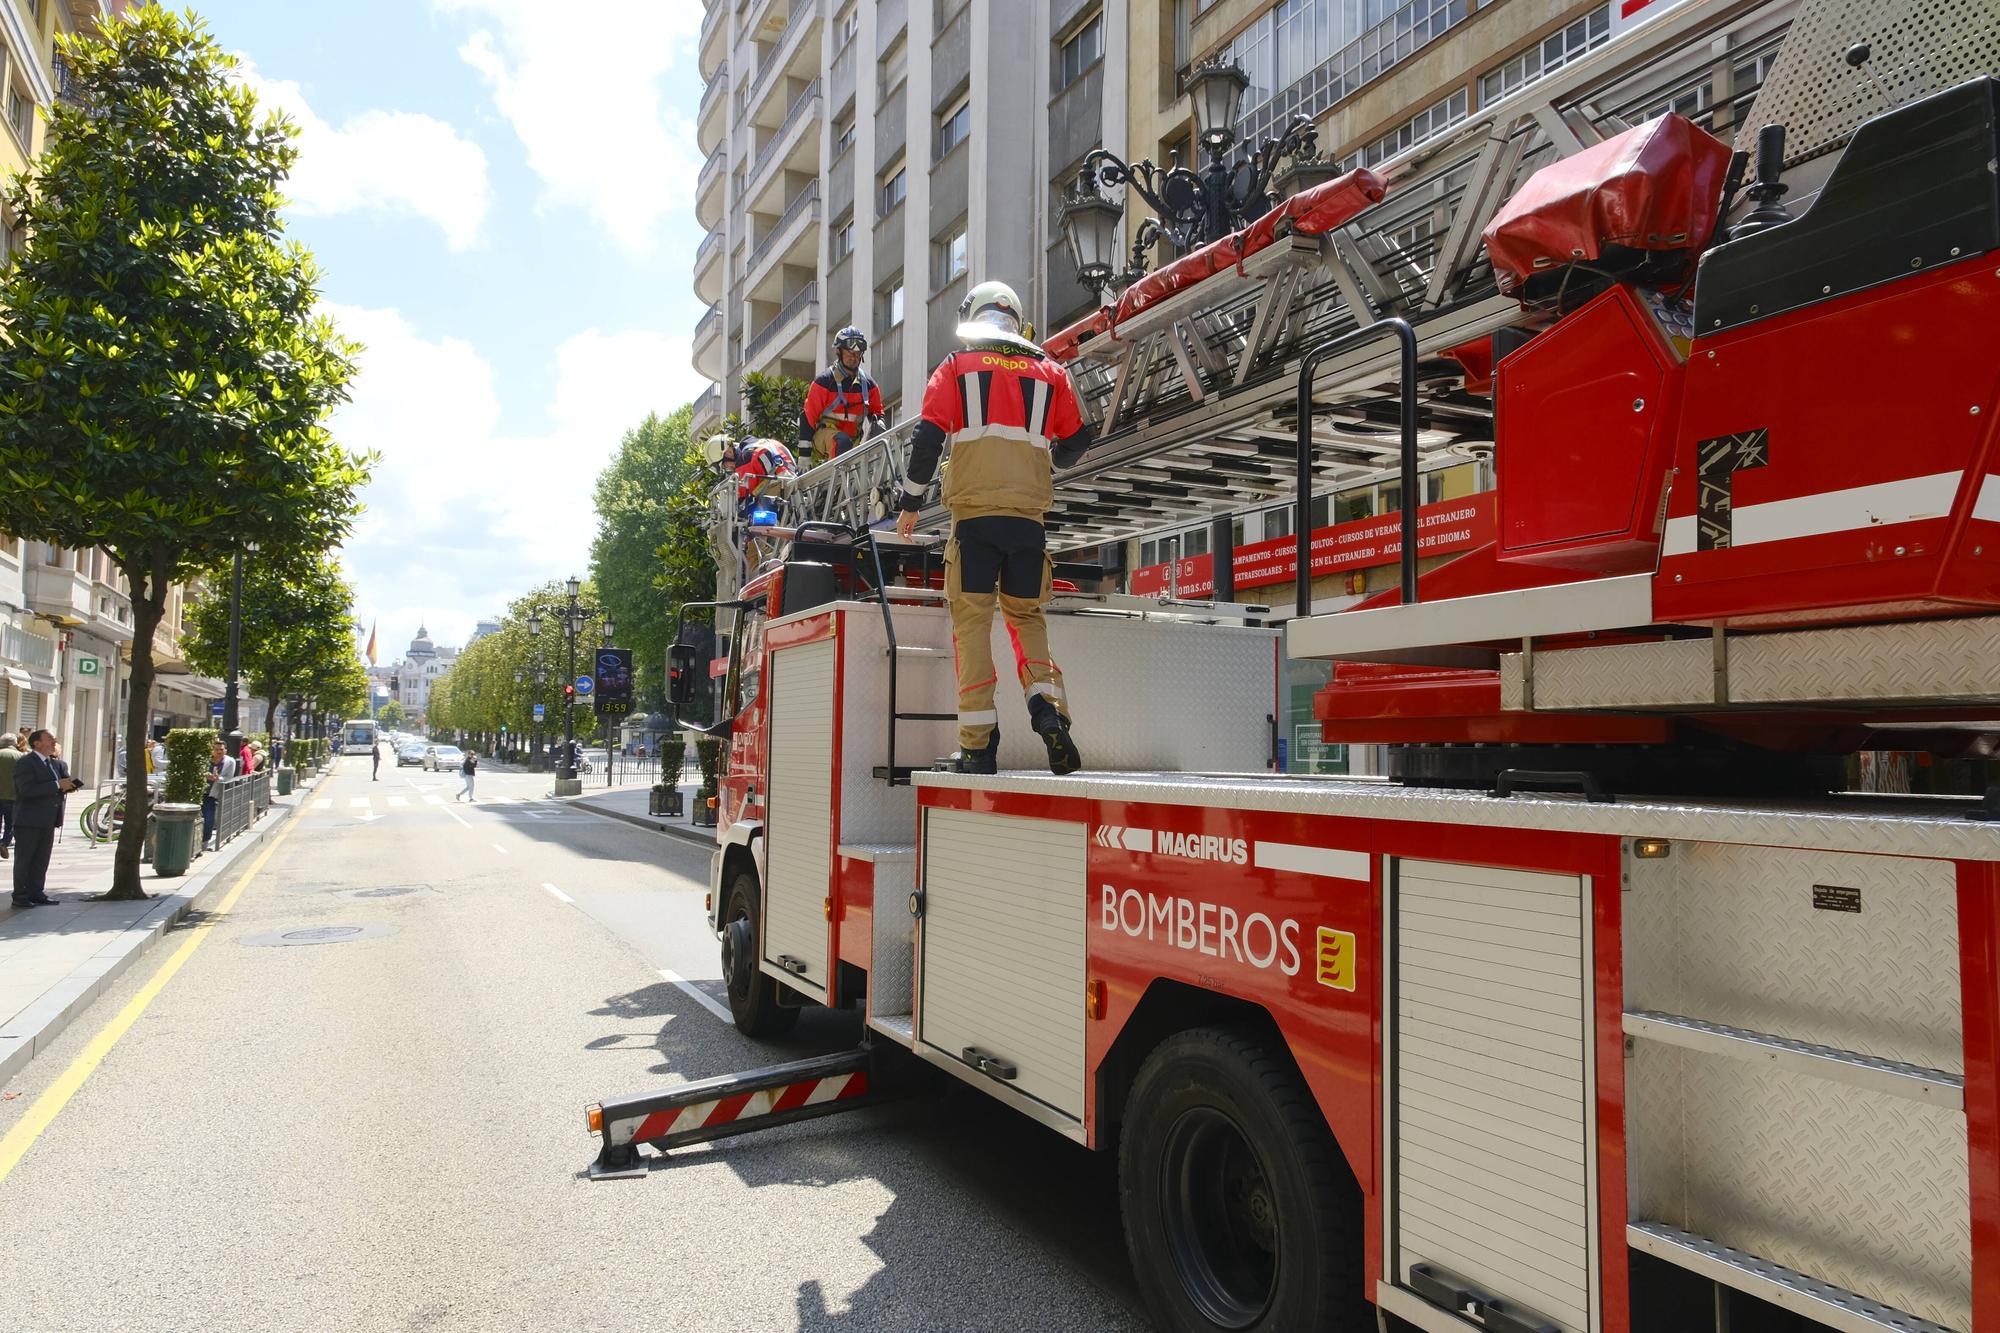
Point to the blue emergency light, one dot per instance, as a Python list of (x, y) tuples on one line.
[(763, 517)]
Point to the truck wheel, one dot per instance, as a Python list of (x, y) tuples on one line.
[(1239, 1212), (753, 997)]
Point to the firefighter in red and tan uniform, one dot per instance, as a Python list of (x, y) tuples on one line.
[(840, 403), (1011, 415)]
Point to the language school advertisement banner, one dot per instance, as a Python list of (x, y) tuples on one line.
[(1449, 525)]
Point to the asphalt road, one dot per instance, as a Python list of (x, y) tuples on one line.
[(385, 1131)]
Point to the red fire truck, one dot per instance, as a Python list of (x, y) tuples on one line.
[(1611, 1010)]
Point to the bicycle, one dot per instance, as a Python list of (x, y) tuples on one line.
[(102, 818)]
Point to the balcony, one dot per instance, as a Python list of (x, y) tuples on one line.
[(792, 57), (707, 414), (708, 343), (714, 39), (708, 268), (708, 189), (57, 591), (796, 142), (793, 239), (708, 118), (791, 335)]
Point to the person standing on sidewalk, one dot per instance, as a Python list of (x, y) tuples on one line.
[(9, 756), (467, 770), (40, 782), (375, 770)]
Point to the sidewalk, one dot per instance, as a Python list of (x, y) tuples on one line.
[(55, 960), (629, 804)]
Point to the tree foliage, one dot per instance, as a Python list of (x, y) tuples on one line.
[(165, 381), (649, 502), (297, 616), (771, 406), (391, 715), (480, 695)]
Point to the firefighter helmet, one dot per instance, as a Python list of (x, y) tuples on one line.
[(850, 339), (991, 313)]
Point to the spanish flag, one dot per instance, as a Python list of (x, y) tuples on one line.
[(371, 645)]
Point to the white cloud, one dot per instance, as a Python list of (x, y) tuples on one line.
[(464, 514), (586, 99), (391, 161)]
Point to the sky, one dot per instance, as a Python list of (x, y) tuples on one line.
[(500, 195)]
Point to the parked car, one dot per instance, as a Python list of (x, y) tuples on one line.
[(411, 752), (443, 758)]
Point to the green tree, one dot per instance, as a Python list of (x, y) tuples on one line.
[(165, 381), (480, 694), (296, 615), (640, 507), (338, 685), (771, 405), (391, 715)]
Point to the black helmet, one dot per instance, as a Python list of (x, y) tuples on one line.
[(850, 339)]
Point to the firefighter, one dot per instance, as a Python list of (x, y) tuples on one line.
[(1011, 413), (761, 467), (841, 401)]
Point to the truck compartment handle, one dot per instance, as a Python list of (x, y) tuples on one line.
[(1586, 783), (989, 1064), (796, 966)]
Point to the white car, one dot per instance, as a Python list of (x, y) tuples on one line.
[(443, 758)]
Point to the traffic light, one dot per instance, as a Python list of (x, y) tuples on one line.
[(569, 691)]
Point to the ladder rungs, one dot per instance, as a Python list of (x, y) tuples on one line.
[(927, 717), (1822, 1302), (1932, 1087)]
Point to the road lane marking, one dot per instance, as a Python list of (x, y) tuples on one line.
[(357, 803), (560, 895), (502, 850), (700, 997), (460, 818), (323, 803), (432, 798), (57, 1095), (399, 800)]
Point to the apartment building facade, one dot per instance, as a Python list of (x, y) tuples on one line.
[(867, 161)]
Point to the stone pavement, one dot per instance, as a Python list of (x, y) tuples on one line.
[(55, 960), (629, 804)]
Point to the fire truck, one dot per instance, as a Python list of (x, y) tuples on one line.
[(1611, 1007)]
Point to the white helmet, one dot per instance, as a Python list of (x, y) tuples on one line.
[(991, 313)]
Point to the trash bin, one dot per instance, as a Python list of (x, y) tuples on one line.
[(174, 824), (284, 782)]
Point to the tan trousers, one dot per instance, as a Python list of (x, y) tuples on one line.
[(972, 634)]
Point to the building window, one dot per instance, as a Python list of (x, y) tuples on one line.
[(1432, 121), (1302, 56), (953, 127), (951, 257), (894, 189), (843, 241), (889, 306), (843, 134), (1552, 53), (1084, 48), (894, 68), (21, 114), (845, 27)]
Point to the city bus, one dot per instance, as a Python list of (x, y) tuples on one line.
[(357, 736)]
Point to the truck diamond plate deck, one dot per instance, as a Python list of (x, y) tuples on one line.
[(1880, 825)]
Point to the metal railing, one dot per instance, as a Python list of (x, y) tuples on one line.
[(717, 86), (780, 54), (707, 404), (764, 155), (709, 170), (708, 326), (711, 244), (235, 807), (800, 301), (806, 199)]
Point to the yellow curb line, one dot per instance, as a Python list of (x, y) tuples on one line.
[(50, 1104)]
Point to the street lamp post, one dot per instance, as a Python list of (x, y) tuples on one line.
[(1191, 208), (574, 615)]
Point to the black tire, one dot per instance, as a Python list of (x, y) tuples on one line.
[(1239, 1212), (753, 997)]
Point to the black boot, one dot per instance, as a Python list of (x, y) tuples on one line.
[(982, 761), (1053, 728)]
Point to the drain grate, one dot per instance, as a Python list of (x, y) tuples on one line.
[(279, 939)]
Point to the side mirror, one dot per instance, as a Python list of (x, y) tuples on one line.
[(680, 673)]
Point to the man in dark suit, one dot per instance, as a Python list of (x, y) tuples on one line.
[(40, 782)]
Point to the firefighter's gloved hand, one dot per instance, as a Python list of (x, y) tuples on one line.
[(906, 524)]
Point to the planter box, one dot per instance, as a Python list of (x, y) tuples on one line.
[(664, 802), (704, 813)]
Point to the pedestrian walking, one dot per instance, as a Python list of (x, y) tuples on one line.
[(1012, 415), (375, 768), (41, 781), (10, 754), (468, 769)]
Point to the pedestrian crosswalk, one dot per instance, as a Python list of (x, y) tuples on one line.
[(528, 807)]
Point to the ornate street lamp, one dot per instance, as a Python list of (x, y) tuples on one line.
[(1191, 208)]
